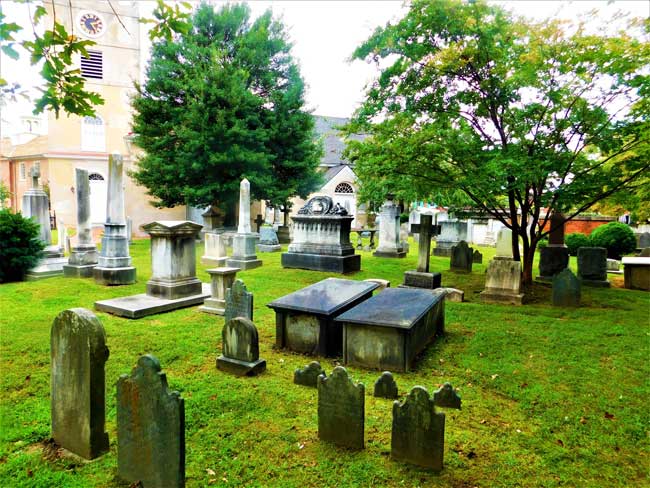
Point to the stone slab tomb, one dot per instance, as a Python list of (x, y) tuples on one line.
[(308, 376), (221, 279), (304, 320), (390, 244), (592, 266), (636, 273), (268, 240), (341, 409), (566, 289), (241, 351), (243, 243), (83, 256), (421, 277), (385, 386), (462, 258), (77, 383), (150, 428), (239, 302), (321, 239), (390, 329)]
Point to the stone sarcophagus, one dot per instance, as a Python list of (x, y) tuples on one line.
[(321, 239)]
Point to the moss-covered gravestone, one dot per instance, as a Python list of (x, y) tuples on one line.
[(241, 351), (341, 409), (150, 428), (566, 289), (385, 386), (308, 376), (477, 257), (78, 353), (446, 396)]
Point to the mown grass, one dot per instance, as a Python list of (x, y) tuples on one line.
[(551, 396)]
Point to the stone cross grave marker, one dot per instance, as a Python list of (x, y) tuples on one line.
[(308, 376), (426, 231), (239, 302), (259, 221), (150, 428), (385, 386), (341, 409), (35, 174), (241, 350), (566, 289), (78, 353)]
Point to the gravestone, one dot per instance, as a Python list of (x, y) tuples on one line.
[(239, 302), (566, 289), (221, 280), (213, 219), (454, 295), (450, 234), (643, 241), (645, 252), (613, 265), (385, 386), (390, 245), (477, 257), (446, 396), (150, 428), (555, 256), (592, 266), (268, 240), (258, 222), (308, 376), (504, 243), (422, 278), (461, 258), (284, 236), (241, 351), (341, 409), (214, 251), (78, 354), (243, 243), (503, 282), (83, 257)]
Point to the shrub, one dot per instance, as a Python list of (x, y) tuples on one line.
[(616, 237), (404, 217), (20, 247), (575, 240), (541, 244)]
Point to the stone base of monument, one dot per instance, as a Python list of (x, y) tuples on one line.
[(418, 279), (78, 271), (137, 306), (214, 262), (322, 262), (51, 265), (379, 253), (244, 263), (595, 283), (214, 306), (241, 368), (114, 276), (283, 235), (83, 260), (243, 254), (171, 290), (269, 247), (502, 296)]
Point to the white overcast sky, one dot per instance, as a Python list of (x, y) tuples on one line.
[(324, 35)]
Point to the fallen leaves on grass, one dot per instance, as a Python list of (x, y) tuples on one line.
[(609, 416)]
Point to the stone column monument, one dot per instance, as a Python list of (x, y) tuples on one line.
[(83, 256), (389, 238), (36, 206), (243, 243), (114, 266)]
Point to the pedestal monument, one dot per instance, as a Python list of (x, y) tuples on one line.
[(243, 243), (83, 256), (390, 245)]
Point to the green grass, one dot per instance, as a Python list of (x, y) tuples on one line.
[(551, 396)]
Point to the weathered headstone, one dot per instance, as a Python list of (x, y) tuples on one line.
[(239, 302), (645, 252), (214, 252), (566, 289), (422, 278), (555, 256), (83, 257), (243, 244), (643, 241), (308, 376), (592, 266), (385, 386), (150, 428), (390, 245), (613, 265), (78, 353), (454, 295), (477, 257), (268, 240), (504, 243), (341, 409), (503, 282), (221, 280), (461, 258), (446, 396), (241, 351), (451, 233)]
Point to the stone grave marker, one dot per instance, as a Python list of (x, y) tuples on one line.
[(555, 256), (239, 302), (241, 350), (390, 244), (78, 354), (341, 409), (243, 244), (385, 386), (477, 257), (421, 278), (221, 279), (308, 376), (446, 396), (592, 266), (383, 284), (566, 289), (645, 252), (268, 240), (150, 428), (504, 243), (644, 240), (259, 220), (461, 258)]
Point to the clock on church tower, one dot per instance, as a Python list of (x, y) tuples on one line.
[(91, 24)]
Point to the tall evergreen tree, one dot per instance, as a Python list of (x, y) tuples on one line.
[(223, 102)]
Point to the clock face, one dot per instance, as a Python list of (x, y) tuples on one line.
[(91, 24)]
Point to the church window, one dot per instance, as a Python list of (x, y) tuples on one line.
[(22, 172), (95, 177), (92, 66), (344, 188), (93, 134)]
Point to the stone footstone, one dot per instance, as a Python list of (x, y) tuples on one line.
[(77, 383), (341, 410), (592, 266), (222, 279), (385, 386), (150, 428), (566, 289), (241, 354), (454, 295), (418, 279), (308, 376)]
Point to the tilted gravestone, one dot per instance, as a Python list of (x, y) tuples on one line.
[(241, 350), (78, 352), (385, 386), (461, 258), (592, 266), (150, 428), (341, 409), (566, 289), (308, 376), (239, 302), (477, 257)]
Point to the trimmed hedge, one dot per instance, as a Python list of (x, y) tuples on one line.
[(576, 240), (20, 247), (616, 237)]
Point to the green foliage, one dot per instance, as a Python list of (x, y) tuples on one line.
[(5, 194), (576, 240), (404, 217), (616, 237), (516, 119), (168, 21), (20, 247), (222, 102), (542, 243)]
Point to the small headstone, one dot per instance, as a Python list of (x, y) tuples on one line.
[(454, 295), (592, 266), (268, 240), (477, 257), (239, 302), (613, 265), (504, 243), (308, 376), (418, 433), (241, 351), (645, 252), (385, 386), (447, 397), (150, 428), (566, 289), (644, 240), (78, 353), (383, 284), (461, 258), (341, 409), (259, 221)]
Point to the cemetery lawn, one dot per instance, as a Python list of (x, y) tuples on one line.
[(551, 396)]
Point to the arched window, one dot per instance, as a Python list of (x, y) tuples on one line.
[(344, 188), (95, 177), (93, 134)]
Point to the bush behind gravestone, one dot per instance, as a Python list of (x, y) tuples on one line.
[(576, 240), (616, 237), (20, 247)]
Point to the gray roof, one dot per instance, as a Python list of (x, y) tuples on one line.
[(333, 142)]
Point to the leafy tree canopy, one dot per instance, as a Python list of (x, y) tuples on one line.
[(222, 102), (518, 119)]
